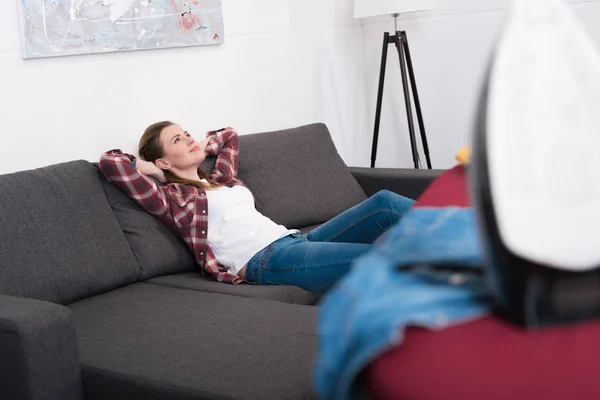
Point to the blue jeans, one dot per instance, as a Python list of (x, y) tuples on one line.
[(317, 260)]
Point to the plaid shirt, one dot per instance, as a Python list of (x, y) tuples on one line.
[(182, 207)]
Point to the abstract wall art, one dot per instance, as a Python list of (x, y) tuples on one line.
[(52, 28)]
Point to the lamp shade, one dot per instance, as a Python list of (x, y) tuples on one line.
[(373, 8)]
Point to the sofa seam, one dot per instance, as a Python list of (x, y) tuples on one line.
[(112, 211), (227, 294)]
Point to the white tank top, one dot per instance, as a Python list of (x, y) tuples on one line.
[(236, 230)]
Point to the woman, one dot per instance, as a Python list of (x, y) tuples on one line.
[(216, 216)]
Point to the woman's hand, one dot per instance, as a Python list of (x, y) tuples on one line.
[(203, 143), (150, 169)]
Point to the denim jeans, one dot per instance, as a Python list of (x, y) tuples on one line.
[(317, 260)]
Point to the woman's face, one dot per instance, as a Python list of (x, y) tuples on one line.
[(181, 151)]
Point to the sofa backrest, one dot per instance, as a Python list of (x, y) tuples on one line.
[(59, 239), (296, 175), (157, 249)]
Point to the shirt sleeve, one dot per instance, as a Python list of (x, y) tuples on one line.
[(119, 169), (225, 145)]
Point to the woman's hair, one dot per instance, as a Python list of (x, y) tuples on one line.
[(151, 149)]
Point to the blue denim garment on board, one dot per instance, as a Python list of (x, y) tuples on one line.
[(426, 271)]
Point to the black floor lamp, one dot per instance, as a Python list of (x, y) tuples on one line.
[(372, 8)]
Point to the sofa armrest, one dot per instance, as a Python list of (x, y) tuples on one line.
[(38, 351), (410, 183)]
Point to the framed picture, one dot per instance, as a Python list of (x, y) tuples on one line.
[(51, 28)]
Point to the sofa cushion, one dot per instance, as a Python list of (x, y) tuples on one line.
[(158, 250), (195, 281), (59, 240), (151, 342), (296, 175)]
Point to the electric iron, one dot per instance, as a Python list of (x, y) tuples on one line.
[(535, 172)]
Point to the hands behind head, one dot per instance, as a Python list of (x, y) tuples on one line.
[(150, 169), (202, 143)]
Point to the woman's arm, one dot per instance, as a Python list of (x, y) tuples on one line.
[(225, 145), (120, 169), (150, 169)]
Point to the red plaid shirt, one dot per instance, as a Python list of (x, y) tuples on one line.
[(182, 207)]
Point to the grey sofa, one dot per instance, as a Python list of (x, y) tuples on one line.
[(99, 300)]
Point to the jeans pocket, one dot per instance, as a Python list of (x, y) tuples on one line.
[(265, 254)]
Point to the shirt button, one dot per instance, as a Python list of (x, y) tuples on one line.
[(203, 232), (203, 211), (201, 253)]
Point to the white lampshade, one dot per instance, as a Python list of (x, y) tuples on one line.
[(373, 8)]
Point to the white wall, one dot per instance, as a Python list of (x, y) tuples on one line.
[(285, 63), (450, 47)]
